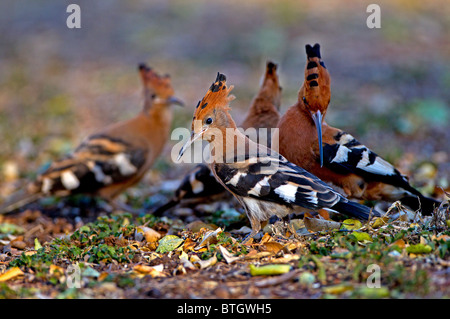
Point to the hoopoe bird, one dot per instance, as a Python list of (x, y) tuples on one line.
[(333, 155), (264, 111), (200, 183), (263, 181), (109, 161)]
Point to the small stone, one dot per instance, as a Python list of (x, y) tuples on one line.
[(18, 244), (222, 292), (307, 279), (154, 293)]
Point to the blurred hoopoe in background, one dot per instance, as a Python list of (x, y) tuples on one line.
[(262, 180), (340, 159), (114, 158), (200, 183), (264, 111)]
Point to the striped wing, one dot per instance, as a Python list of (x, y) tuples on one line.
[(348, 155), (98, 162), (272, 178), (199, 182)]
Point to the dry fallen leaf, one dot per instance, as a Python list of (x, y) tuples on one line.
[(315, 225), (380, 221), (210, 237), (154, 271), (243, 230), (56, 271), (30, 252), (11, 273), (186, 263), (195, 226), (272, 246), (102, 276), (206, 263), (441, 237), (148, 233), (151, 235), (229, 258), (285, 259), (265, 238), (189, 244), (10, 171), (400, 243), (324, 214), (257, 255)]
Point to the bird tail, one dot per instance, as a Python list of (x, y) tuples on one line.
[(356, 210), (18, 200), (425, 204)]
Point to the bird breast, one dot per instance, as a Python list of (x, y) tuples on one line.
[(263, 210)]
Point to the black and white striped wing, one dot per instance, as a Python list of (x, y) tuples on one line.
[(348, 155), (200, 182), (273, 178), (98, 162)]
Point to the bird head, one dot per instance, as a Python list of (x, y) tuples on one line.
[(158, 87), (315, 93), (211, 113)]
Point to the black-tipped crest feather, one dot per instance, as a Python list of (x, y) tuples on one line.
[(143, 66), (271, 67), (313, 52)]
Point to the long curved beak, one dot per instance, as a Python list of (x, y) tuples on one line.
[(174, 100), (317, 117), (194, 136)]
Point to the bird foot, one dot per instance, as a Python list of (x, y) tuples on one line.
[(248, 239), (292, 231)]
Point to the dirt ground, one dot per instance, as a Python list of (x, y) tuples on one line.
[(57, 85)]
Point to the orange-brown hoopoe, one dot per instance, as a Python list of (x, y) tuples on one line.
[(263, 181), (114, 158), (200, 183), (339, 159)]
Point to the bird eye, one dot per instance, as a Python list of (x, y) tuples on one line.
[(208, 121), (153, 96)]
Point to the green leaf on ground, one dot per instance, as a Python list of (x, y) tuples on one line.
[(169, 243)]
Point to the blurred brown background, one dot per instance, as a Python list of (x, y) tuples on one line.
[(390, 86)]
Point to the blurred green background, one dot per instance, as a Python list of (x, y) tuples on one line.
[(390, 86)]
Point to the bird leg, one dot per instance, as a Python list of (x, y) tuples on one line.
[(256, 227)]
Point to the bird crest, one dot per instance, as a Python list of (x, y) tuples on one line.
[(217, 97), (271, 68), (160, 85), (313, 51), (271, 73), (315, 91)]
